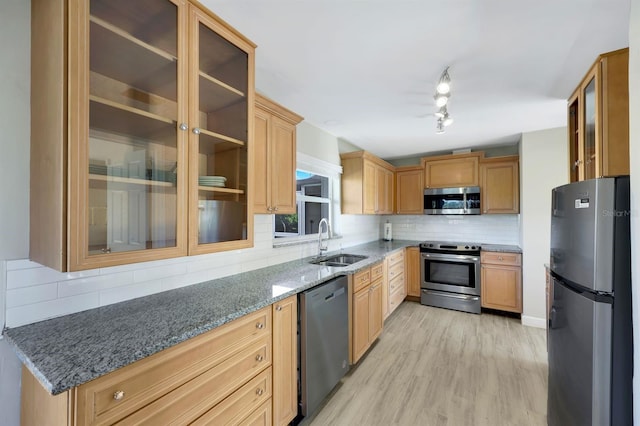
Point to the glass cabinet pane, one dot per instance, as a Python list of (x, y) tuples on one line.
[(222, 119), (133, 113), (590, 130)]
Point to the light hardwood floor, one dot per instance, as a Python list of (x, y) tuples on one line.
[(434, 366)]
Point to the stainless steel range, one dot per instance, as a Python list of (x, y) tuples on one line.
[(450, 275)]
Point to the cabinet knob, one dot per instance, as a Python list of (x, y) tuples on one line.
[(278, 308), (269, 209), (183, 126), (500, 258), (118, 395), (259, 326), (259, 391), (106, 250), (259, 358), (196, 130), (275, 209)]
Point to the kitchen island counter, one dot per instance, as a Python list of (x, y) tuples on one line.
[(68, 351)]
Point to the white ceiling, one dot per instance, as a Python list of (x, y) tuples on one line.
[(365, 70)]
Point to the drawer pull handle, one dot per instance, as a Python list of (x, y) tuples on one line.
[(118, 395), (278, 308), (259, 358), (500, 258), (259, 326), (259, 391)]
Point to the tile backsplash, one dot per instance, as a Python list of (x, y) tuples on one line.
[(494, 229), (35, 292)]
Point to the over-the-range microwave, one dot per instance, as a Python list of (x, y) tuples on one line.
[(463, 200)]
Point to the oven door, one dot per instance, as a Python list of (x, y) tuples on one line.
[(450, 272)]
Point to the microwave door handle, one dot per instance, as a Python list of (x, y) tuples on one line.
[(464, 201)]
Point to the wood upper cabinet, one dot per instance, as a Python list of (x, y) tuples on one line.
[(501, 281), (446, 171), (410, 190), (500, 185), (598, 120), (275, 166), (367, 184), (412, 271), (141, 130), (285, 361)]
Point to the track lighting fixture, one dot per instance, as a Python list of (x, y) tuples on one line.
[(443, 92)]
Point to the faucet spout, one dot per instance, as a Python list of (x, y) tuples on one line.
[(322, 248)]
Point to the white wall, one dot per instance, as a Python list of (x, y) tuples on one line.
[(543, 166), (317, 143), (493, 229), (634, 147)]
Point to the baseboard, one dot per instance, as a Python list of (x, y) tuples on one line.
[(534, 321)]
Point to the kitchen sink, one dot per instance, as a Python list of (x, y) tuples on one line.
[(339, 260)]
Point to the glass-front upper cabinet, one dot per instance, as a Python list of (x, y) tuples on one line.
[(221, 109), (589, 120), (142, 122), (130, 152)]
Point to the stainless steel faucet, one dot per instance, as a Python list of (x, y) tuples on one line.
[(323, 249)]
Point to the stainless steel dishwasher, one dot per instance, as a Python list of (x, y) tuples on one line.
[(324, 341)]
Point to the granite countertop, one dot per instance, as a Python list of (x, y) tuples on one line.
[(502, 248), (71, 350)]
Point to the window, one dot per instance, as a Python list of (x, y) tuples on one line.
[(313, 196)]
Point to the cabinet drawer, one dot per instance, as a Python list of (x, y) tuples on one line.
[(396, 270), (396, 257), (396, 284), (497, 258), (189, 401), (377, 271), (242, 406), (118, 394), (396, 298), (361, 280)]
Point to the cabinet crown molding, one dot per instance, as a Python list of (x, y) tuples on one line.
[(276, 109)]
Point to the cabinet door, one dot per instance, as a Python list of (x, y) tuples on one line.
[(285, 360), (500, 187), (412, 272), (451, 172), (369, 188), (375, 310), (221, 113), (592, 138), (574, 135), (360, 323), (502, 288), (388, 192), (283, 172), (410, 192), (261, 182), (127, 163)]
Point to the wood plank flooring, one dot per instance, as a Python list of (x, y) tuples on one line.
[(435, 366)]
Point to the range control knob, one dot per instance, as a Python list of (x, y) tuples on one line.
[(467, 247), (473, 247)]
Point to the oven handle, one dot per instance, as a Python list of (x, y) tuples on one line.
[(454, 257), (453, 296)]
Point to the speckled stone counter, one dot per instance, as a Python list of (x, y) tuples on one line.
[(68, 351), (503, 248)]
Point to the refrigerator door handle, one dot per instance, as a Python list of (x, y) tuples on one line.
[(552, 317)]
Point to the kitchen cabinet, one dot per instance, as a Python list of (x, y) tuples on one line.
[(412, 271), (500, 185), (224, 373), (448, 171), (396, 277), (410, 190), (285, 360), (367, 321), (501, 281), (275, 165), (598, 119), (134, 102), (367, 184)]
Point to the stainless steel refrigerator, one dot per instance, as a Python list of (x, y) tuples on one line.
[(590, 323)]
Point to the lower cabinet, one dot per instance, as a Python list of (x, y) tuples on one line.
[(397, 280), (367, 318), (231, 374), (501, 281), (285, 360), (412, 271)]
